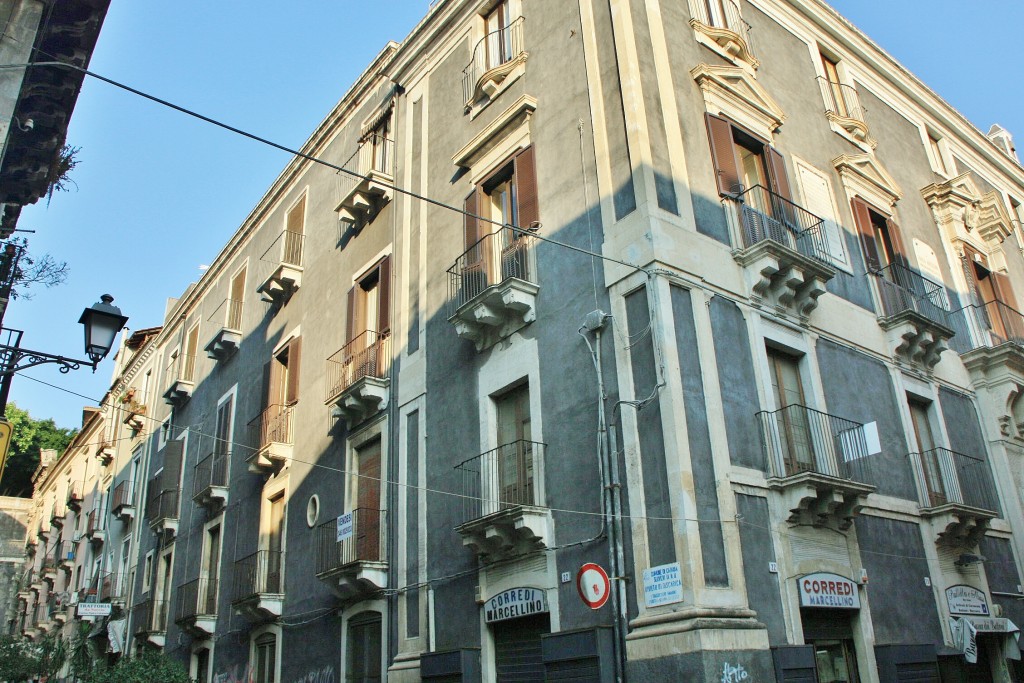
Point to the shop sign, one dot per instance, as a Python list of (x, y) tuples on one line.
[(94, 609), (828, 590), (993, 625), (515, 603), (966, 600), (663, 585)]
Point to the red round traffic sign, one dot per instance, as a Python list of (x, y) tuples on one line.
[(593, 585)]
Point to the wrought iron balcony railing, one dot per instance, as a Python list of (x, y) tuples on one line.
[(368, 542), (150, 616), (286, 249), (499, 256), (198, 598), (798, 439), (765, 215), (210, 471), (122, 495), (987, 325), (841, 100), (76, 493), (259, 573), (493, 50), (58, 514), (957, 478), (368, 355), (182, 368), (95, 522), (228, 314), (502, 478), (111, 586), (273, 425), (162, 504), (901, 290)]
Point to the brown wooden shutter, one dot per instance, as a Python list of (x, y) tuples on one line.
[(350, 315), (897, 243), (384, 296), (294, 356), (296, 216), (471, 229), (862, 216), (1003, 289), (174, 455), (268, 377), (274, 373), (777, 169), (526, 189), (723, 154)]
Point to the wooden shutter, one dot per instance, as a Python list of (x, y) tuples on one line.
[(291, 390), (272, 375), (174, 454), (350, 315), (384, 296), (723, 154), (526, 189), (777, 169), (1003, 289), (296, 217), (471, 229), (862, 216), (900, 255)]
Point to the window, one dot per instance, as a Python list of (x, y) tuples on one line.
[(147, 572), (201, 665), (369, 322), (743, 161), (368, 501), (879, 237), (993, 296), (515, 447), (499, 38), (719, 25), (938, 159), (497, 59), (265, 669), (790, 412), (816, 191), (838, 102), (842, 103), (275, 545), (281, 376), (363, 660), (235, 301), (187, 371), (211, 572), (924, 441)]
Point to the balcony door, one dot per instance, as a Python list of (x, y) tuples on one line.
[(499, 37), (275, 546), (212, 569), (994, 297), (925, 442), (367, 529), (515, 447), (364, 649), (791, 414)]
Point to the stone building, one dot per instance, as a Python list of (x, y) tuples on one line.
[(714, 295)]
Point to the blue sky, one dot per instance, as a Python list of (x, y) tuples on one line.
[(159, 193)]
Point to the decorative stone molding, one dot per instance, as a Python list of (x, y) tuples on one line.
[(734, 92), (513, 123), (820, 500), (916, 339), (223, 344), (497, 312), (365, 397), (516, 530), (959, 526), (783, 279), (357, 578), (281, 284), (864, 176)]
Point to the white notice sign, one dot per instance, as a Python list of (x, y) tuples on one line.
[(966, 600), (94, 609), (663, 585), (345, 527), (828, 590)]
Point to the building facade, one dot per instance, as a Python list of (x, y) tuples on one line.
[(713, 295)]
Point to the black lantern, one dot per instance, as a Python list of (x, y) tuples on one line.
[(102, 322)]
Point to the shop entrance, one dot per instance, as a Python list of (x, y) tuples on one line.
[(831, 633), (517, 651)]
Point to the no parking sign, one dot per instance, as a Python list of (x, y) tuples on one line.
[(593, 585)]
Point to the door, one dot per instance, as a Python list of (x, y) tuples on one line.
[(368, 502), (925, 442), (517, 649), (830, 632), (364, 647), (275, 546), (234, 320), (791, 414), (515, 448), (499, 38), (209, 605)]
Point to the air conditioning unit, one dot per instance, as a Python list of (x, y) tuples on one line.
[(76, 537)]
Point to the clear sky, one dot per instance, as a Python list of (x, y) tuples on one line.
[(159, 193)]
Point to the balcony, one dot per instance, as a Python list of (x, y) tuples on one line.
[(914, 314), (210, 486), (197, 607), (182, 371), (105, 453), (271, 432), (501, 497), (286, 277), (48, 569), (44, 619), (149, 621), (162, 509), (957, 494), (112, 587), (785, 253), (57, 515), (64, 554), (134, 415), (357, 377), (492, 288), (844, 111), (357, 564), (496, 60), (258, 589), (816, 461), (57, 605), (94, 530), (368, 193), (76, 494), (229, 336), (122, 502), (721, 27)]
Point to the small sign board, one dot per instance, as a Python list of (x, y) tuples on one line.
[(94, 609), (593, 585), (967, 601), (828, 590), (346, 527), (515, 603), (663, 585)]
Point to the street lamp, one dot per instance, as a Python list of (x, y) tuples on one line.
[(102, 322)]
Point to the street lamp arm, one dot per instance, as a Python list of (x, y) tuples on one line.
[(13, 359)]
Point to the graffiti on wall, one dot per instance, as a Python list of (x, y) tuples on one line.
[(324, 675), (734, 673), (236, 674)]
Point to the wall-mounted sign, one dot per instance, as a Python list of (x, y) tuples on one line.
[(663, 585), (94, 609), (593, 585), (966, 600), (515, 603), (345, 527), (828, 590)]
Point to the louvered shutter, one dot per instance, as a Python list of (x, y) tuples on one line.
[(292, 387), (273, 391), (174, 455), (862, 216), (723, 154), (296, 217), (526, 189), (471, 229), (350, 315), (777, 169), (384, 297), (897, 243)]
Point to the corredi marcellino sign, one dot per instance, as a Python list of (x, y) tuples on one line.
[(514, 603), (828, 590)]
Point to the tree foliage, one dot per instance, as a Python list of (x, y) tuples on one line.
[(23, 660), (148, 666), (28, 437)]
